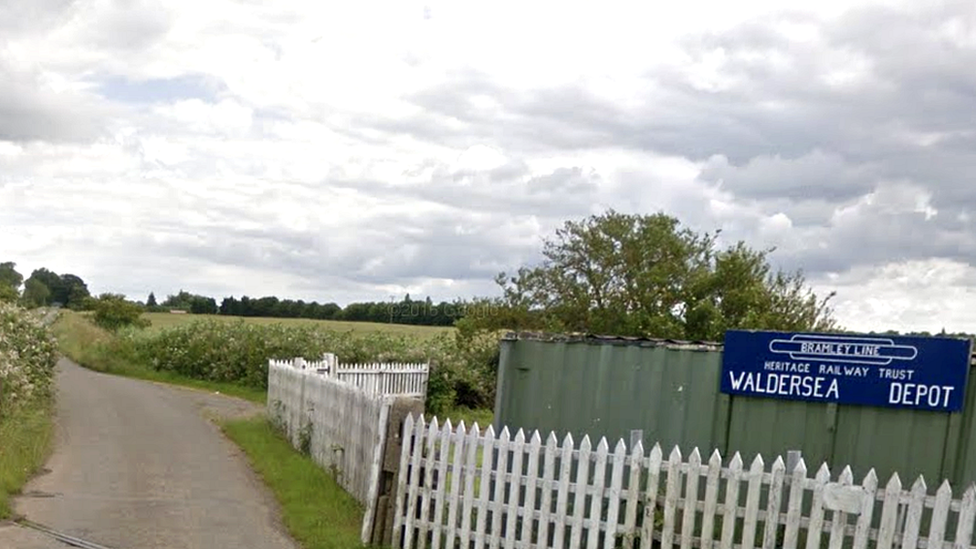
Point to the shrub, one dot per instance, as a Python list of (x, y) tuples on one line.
[(28, 354), (113, 312)]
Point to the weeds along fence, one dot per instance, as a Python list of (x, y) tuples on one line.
[(343, 427), (468, 488), (379, 378)]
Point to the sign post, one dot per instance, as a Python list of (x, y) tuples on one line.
[(926, 373)]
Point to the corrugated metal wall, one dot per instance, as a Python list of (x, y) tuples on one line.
[(607, 387)]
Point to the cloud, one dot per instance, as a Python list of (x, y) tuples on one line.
[(343, 152), (34, 108)]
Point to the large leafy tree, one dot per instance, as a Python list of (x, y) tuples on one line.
[(68, 289), (52, 281), (646, 275), (74, 291)]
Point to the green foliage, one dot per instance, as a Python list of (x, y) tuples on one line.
[(239, 351), (200, 305), (7, 294), (114, 353), (646, 275), (113, 312), (28, 354), (9, 277), (75, 290), (36, 294), (151, 301), (68, 290), (463, 365)]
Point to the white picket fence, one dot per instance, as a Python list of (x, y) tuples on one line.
[(467, 488), (393, 378), (341, 426)]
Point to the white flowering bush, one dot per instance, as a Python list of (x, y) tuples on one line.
[(28, 354)]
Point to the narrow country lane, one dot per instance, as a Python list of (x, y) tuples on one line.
[(140, 465)]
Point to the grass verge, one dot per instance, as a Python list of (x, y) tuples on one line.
[(25, 443), (99, 350), (316, 510)]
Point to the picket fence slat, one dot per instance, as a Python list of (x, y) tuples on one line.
[(398, 517), (752, 504), (414, 471), (794, 508), (863, 529), (582, 480), (512, 505), (470, 472), (913, 523), (614, 493), (889, 513), (461, 488), (773, 504), (498, 497), (633, 494), (967, 514), (650, 496), (484, 487), (671, 497), (428, 479), (548, 484), (599, 484), (839, 518), (815, 529), (711, 498), (562, 492), (535, 445), (457, 478), (440, 495), (940, 513)]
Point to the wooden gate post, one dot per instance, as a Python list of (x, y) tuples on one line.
[(393, 445)]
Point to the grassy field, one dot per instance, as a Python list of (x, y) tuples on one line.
[(165, 320), (25, 441), (316, 510)]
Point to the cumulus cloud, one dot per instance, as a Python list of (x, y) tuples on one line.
[(344, 152)]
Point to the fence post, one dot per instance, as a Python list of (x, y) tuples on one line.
[(636, 436), (330, 363), (393, 446)]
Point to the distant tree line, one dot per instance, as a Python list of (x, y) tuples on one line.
[(405, 311)]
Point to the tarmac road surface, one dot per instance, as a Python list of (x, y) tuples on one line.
[(141, 465)]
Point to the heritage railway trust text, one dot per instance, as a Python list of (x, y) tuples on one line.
[(810, 380)]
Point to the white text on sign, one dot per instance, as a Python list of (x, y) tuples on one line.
[(914, 394)]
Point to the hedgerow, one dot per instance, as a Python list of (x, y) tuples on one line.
[(28, 355), (462, 364)]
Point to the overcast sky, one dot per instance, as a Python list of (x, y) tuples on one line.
[(357, 151)]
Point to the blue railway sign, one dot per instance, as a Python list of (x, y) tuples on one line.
[(927, 373)]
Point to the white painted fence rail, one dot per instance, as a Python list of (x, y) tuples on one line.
[(468, 488), (393, 378), (342, 427)]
